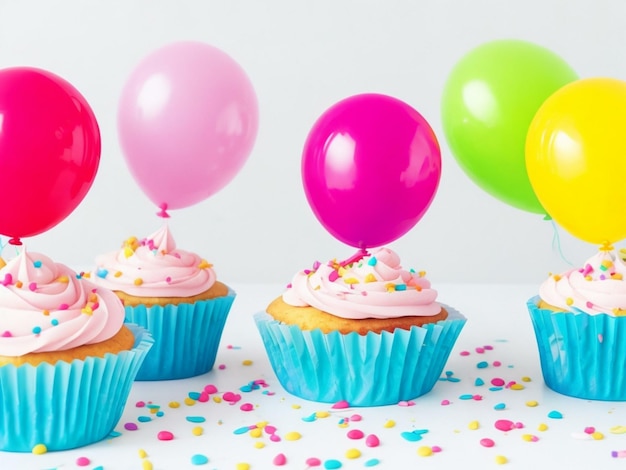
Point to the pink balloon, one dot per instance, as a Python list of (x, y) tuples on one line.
[(49, 150), (187, 121), (371, 166)]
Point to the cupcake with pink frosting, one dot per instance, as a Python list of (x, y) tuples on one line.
[(365, 330), (67, 359), (579, 319), (175, 295)]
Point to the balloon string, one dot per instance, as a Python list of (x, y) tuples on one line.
[(355, 257), (556, 243)]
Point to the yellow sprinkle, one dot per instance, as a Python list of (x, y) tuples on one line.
[(246, 362), (341, 271), (138, 281), (390, 287), (343, 424), (389, 424), (424, 451), (322, 414), (542, 427), (128, 252), (618, 429), (46, 312), (422, 273), (293, 436), (87, 310), (63, 279), (527, 437), (87, 275), (556, 277), (204, 264), (617, 276), (597, 436), (154, 410), (370, 278), (259, 444), (2, 263), (473, 425), (351, 280), (526, 379), (190, 401), (569, 301), (532, 403), (588, 278), (353, 453), (117, 274), (142, 453), (620, 312), (517, 387), (261, 424), (295, 406), (256, 432), (501, 459), (174, 404), (39, 449), (242, 466), (217, 399), (146, 465), (197, 431)]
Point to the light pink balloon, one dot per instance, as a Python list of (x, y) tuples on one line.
[(187, 122)]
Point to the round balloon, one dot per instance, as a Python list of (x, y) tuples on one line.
[(49, 150), (576, 158), (371, 165), (488, 102), (187, 121)]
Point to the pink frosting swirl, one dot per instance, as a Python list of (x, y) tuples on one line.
[(598, 287), (45, 306), (154, 267), (370, 285)]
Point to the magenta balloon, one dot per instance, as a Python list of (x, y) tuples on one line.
[(187, 121), (49, 150), (371, 166)]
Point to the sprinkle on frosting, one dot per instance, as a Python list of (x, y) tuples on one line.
[(154, 266), (370, 285), (597, 287)]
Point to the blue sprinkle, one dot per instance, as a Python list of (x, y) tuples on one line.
[(482, 365), (449, 373), (400, 286), (332, 464), (499, 406), (199, 459), (144, 419), (371, 463), (310, 418), (242, 430), (442, 379), (152, 406), (467, 396), (194, 395), (101, 272), (99, 467), (37, 330), (54, 322), (411, 436), (196, 419), (372, 261), (495, 389), (555, 414), (37, 264), (245, 388), (479, 382), (159, 413), (115, 434), (453, 379)]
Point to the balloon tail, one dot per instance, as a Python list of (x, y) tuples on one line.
[(359, 255), (556, 243), (163, 212), (15, 241)]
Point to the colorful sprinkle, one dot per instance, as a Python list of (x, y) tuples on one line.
[(501, 460), (340, 405), (486, 442), (130, 426), (355, 434), (199, 459), (353, 453), (313, 462), (555, 414), (292, 436), (165, 436), (39, 449), (279, 460), (372, 441), (371, 463), (332, 464)]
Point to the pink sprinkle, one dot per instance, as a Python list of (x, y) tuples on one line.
[(512, 382), (313, 462), (406, 403), (488, 347), (333, 276), (231, 397), (165, 436), (32, 286), (269, 429), (140, 404), (534, 438), (497, 363), (280, 460), (464, 353), (590, 430), (168, 279), (436, 449), (203, 397), (477, 397), (519, 425), (340, 405), (316, 265), (221, 367), (480, 350), (445, 402), (372, 441), (8, 279), (82, 461), (246, 407), (6, 334), (589, 304), (504, 425), (210, 389), (130, 427), (63, 307), (486, 442), (355, 434), (497, 382), (275, 438), (356, 418)]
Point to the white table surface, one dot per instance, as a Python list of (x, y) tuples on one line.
[(496, 316)]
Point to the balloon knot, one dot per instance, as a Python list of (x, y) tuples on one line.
[(163, 212), (359, 255), (606, 246), (547, 217), (15, 241)]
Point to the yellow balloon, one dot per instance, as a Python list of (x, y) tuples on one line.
[(576, 158)]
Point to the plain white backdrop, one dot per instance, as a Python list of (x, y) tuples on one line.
[(302, 57)]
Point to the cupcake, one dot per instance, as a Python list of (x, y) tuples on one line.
[(67, 360), (365, 331), (175, 295), (579, 320)]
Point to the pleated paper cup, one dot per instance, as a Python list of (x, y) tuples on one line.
[(581, 355), (364, 370), (186, 336), (67, 405)]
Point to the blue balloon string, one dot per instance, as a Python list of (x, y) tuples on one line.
[(556, 243)]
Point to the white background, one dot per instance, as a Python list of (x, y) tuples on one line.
[(302, 57)]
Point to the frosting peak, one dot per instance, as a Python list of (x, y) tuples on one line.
[(598, 287), (45, 306), (154, 267), (367, 285)]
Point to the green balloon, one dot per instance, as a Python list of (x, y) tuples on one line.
[(488, 103)]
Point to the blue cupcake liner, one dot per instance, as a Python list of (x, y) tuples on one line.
[(581, 355), (67, 405), (364, 370), (186, 336)]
